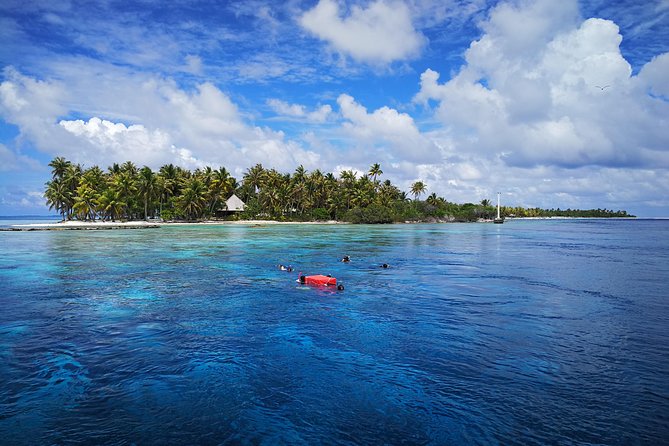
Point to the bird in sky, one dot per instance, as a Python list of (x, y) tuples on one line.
[(602, 88)]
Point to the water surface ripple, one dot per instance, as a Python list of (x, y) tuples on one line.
[(527, 333)]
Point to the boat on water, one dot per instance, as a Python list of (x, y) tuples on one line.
[(498, 220)]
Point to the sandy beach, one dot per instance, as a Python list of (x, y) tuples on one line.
[(141, 224)]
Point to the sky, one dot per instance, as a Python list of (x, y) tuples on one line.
[(553, 104)]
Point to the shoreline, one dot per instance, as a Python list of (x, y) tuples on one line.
[(141, 224)]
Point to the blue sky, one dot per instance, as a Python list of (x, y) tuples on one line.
[(470, 96)]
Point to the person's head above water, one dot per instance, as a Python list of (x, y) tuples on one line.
[(385, 265), (340, 287), (303, 279), (346, 259)]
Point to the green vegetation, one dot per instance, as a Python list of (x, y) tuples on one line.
[(582, 213), (126, 192)]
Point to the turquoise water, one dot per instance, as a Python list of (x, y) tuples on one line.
[(9, 221), (531, 332)]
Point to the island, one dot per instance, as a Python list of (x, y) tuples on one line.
[(127, 193)]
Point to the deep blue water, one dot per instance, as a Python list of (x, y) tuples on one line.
[(531, 332)]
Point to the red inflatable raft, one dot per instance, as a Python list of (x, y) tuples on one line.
[(318, 279)]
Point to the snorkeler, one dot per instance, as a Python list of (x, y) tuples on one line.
[(288, 268), (346, 259), (385, 265)]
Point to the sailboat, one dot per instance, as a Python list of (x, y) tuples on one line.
[(498, 220)]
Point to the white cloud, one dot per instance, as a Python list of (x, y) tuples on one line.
[(529, 93), (11, 161), (262, 67), (318, 115), (523, 115), (655, 75), (146, 120), (22, 199), (30, 104), (99, 141), (193, 64), (379, 34), (386, 127)]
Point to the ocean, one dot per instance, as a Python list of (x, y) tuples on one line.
[(11, 220), (526, 333)]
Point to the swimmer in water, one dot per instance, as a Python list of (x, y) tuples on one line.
[(385, 265), (286, 268), (346, 259)]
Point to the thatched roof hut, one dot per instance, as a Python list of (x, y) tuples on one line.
[(234, 204)]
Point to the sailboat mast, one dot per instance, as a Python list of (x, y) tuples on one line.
[(499, 218)]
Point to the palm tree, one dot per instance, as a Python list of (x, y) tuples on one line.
[(433, 199), (193, 199), (348, 178), (315, 189), (125, 185), (85, 200), (387, 194), (418, 188), (298, 189), (59, 166), (109, 203), (114, 169), (57, 196), (71, 179), (375, 171), (270, 198), (347, 175), (221, 187), (147, 186), (169, 179), (253, 178), (485, 202), (129, 167)]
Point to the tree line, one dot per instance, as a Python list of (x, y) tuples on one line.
[(572, 213), (127, 192)]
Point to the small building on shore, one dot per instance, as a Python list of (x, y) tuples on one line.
[(233, 205)]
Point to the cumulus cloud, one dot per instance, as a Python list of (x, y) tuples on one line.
[(99, 141), (318, 115), (530, 93), (386, 127), (148, 120), (31, 104), (381, 33), (653, 76)]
